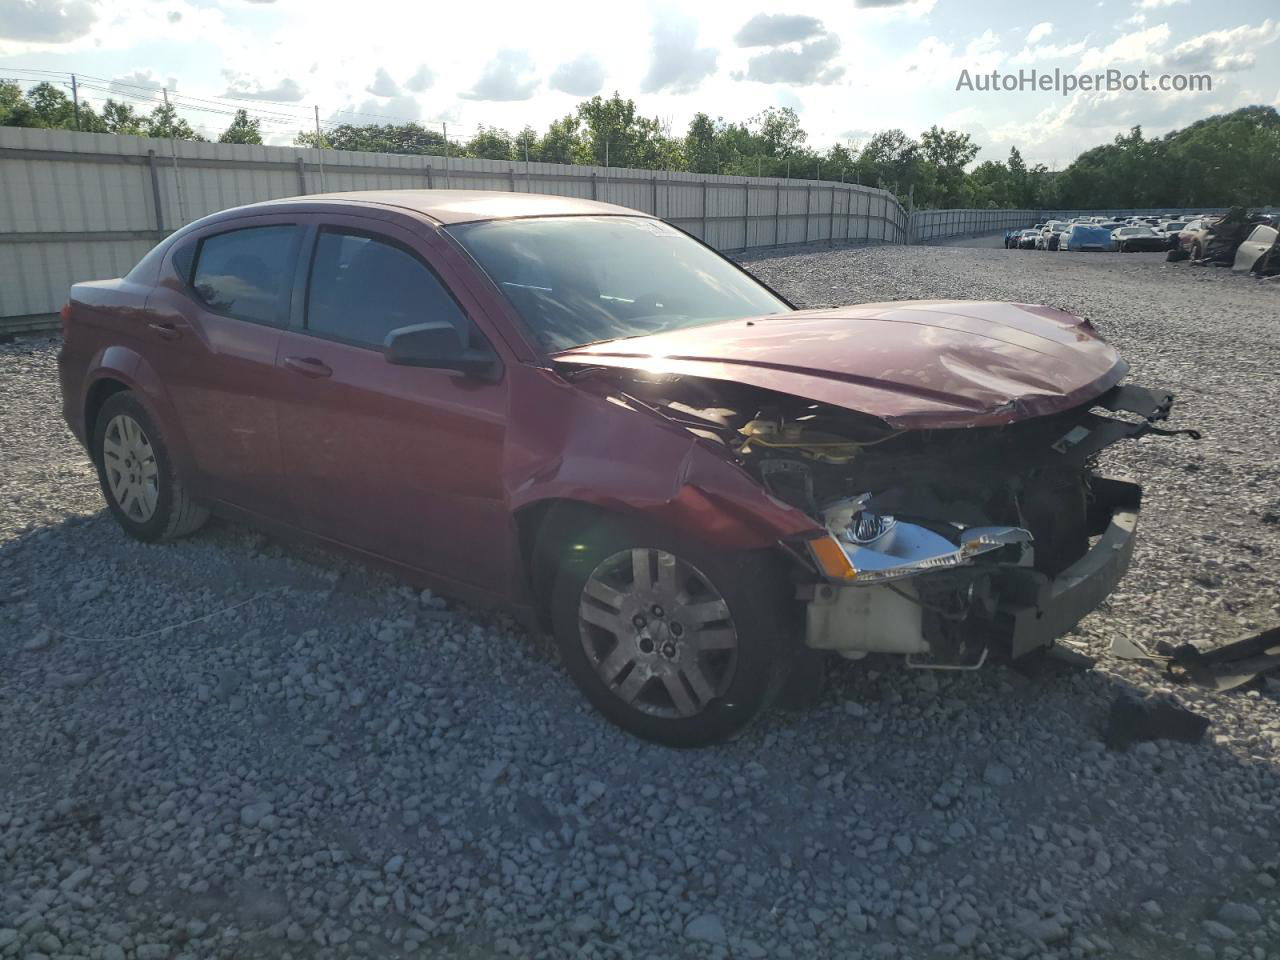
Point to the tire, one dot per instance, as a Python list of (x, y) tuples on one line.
[(1174, 255), (661, 686), (138, 477)]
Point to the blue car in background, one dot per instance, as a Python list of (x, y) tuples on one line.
[(1087, 236), (1010, 238)]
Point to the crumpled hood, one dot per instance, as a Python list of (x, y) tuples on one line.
[(914, 364)]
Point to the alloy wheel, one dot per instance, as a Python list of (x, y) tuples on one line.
[(132, 473), (657, 633)]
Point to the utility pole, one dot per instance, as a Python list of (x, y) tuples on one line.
[(173, 153), (606, 154), (319, 148), (75, 99), (447, 181)]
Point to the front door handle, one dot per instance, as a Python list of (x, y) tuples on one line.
[(166, 330), (308, 366)]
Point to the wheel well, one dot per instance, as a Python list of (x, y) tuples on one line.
[(546, 530), (99, 393)]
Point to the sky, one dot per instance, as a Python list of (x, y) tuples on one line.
[(849, 68)]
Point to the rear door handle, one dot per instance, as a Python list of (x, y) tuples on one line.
[(166, 330), (308, 366)]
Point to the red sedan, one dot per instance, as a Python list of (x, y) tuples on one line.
[(581, 413)]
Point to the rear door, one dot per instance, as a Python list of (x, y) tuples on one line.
[(401, 462), (215, 320)]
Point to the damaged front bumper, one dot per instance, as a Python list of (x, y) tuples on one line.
[(989, 600)]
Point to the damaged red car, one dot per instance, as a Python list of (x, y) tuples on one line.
[(580, 413)]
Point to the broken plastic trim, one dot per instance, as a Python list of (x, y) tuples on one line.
[(903, 549)]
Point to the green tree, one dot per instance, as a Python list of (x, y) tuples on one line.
[(243, 129), (164, 122), (947, 153), (701, 155), (526, 146), (122, 118), (562, 143), (15, 110), (52, 106), (780, 132), (614, 134), (490, 143)]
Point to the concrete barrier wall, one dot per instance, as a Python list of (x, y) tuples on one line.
[(76, 206)]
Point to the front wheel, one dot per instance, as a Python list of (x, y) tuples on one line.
[(672, 642), (138, 476)]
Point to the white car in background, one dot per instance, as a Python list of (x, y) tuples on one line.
[(1254, 246)]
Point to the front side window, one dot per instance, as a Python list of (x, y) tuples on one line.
[(247, 273), (362, 288), (578, 280)]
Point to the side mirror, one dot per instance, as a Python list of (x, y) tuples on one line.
[(438, 344)]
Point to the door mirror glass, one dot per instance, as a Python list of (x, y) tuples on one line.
[(439, 345)]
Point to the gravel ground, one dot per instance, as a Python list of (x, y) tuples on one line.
[(340, 766)]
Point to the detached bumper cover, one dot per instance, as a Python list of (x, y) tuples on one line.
[(1063, 601)]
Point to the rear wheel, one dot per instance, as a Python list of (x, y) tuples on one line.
[(672, 642), (137, 475)]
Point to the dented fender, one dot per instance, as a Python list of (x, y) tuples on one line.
[(614, 455)]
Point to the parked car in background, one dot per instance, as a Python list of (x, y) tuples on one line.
[(576, 411), (1027, 239), (1169, 231), (1011, 238), (1137, 239), (1087, 237), (1192, 237), (1255, 246)]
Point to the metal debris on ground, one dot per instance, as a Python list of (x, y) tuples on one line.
[(1156, 717)]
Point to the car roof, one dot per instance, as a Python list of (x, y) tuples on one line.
[(464, 206)]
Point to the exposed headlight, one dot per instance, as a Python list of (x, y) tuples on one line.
[(868, 527), (867, 547)]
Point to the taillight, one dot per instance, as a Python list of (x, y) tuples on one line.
[(65, 314)]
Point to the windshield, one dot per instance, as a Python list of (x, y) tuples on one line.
[(577, 280)]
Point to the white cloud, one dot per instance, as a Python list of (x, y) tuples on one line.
[(421, 80), (677, 63), (1048, 51), (243, 87), (1039, 31), (1223, 50), (383, 85), (1130, 48), (895, 9), (51, 21), (582, 76), (1157, 4), (508, 76)]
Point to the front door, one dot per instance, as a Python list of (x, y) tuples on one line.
[(402, 462)]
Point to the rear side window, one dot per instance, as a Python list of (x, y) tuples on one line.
[(1264, 234), (362, 288), (247, 273)]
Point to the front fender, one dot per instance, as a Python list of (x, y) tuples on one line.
[(602, 452)]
